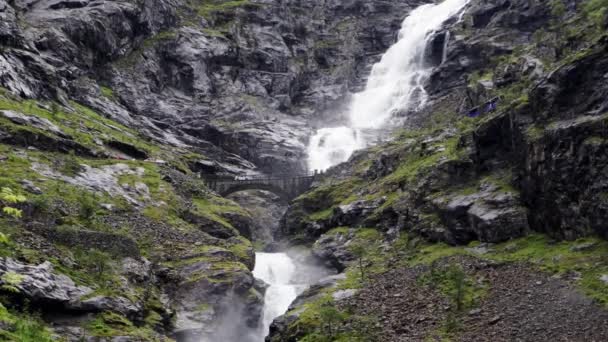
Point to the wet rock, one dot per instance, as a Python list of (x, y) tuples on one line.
[(267, 210)]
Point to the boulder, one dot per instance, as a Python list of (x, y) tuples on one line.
[(40, 284), (491, 214), (354, 213), (119, 305), (332, 249)]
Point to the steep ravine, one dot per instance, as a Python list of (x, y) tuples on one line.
[(464, 200)]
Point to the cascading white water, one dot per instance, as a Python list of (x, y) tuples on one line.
[(277, 270), (396, 83)]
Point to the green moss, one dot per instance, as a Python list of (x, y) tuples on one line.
[(430, 253), (478, 77), (82, 123), (414, 164), (107, 92), (109, 324), (326, 44), (535, 132), (214, 33), (338, 230), (214, 208), (228, 269), (206, 8), (159, 37), (241, 250), (321, 215)]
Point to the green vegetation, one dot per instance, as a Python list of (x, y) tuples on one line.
[(22, 327), (80, 123), (107, 92), (596, 10), (77, 208), (540, 252), (215, 208), (206, 8), (9, 198), (110, 324), (325, 322)]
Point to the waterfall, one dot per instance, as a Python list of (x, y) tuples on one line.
[(277, 270), (396, 84), (446, 41)]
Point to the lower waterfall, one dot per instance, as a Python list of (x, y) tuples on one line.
[(278, 271)]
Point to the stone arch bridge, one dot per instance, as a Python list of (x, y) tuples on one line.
[(288, 187)]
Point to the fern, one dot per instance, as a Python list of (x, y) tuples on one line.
[(13, 212), (7, 196), (3, 239)]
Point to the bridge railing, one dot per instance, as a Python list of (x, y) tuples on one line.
[(265, 178)]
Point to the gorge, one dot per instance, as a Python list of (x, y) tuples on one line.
[(303, 170)]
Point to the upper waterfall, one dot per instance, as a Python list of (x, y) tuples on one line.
[(396, 83)]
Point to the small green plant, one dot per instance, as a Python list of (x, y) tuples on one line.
[(88, 207), (330, 317), (8, 198), (70, 165), (3, 239)]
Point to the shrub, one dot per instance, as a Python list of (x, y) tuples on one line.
[(71, 165)]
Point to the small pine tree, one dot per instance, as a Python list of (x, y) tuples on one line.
[(359, 251)]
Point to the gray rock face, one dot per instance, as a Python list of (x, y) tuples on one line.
[(239, 84), (39, 283), (333, 250), (267, 210), (34, 121), (353, 214), (104, 303), (490, 215)]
